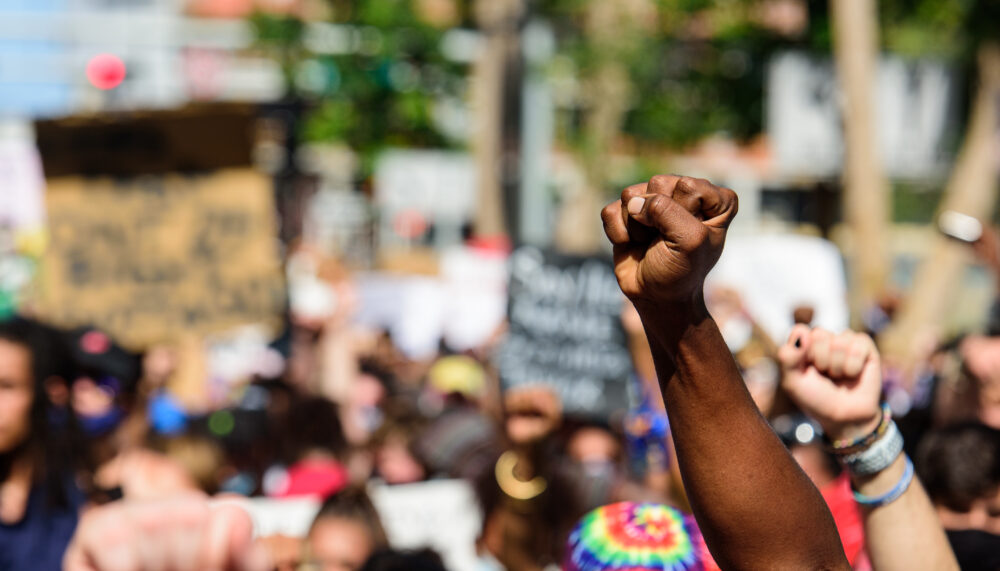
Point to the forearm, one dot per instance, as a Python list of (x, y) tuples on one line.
[(755, 507), (905, 534)]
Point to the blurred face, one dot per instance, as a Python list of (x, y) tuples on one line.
[(593, 445), (16, 395), (983, 514), (595, 450), (338, 544), (396, 464)]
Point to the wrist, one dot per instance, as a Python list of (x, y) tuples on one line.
[(665, 322), (839, 431)]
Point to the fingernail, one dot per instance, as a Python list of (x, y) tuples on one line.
[(635, 205), (798, 342)]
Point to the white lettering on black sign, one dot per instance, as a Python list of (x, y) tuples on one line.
[(565, 331)]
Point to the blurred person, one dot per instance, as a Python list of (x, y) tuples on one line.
[(362, 413), (964, 382), (192, 531), (201, 458), (960, 467), (981, 360), (156, 410), (107, 375), (183, 532), (460, 439), (529, 500), (987, 249), (313, 451), (837, 381), (42, 476), (104, 397), (394, 560), (345, 533), (667, 235), (395, 455), (630, 536), (453, 380), (461, 442), (597, 454)]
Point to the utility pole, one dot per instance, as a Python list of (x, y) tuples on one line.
[(495, 79), (971, 190)]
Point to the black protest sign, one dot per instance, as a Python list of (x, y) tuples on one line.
[(565, 331)]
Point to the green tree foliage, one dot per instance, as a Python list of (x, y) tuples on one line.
[(380, 89)]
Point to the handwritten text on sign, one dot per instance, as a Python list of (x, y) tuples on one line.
[(565, 331), (151, 259)]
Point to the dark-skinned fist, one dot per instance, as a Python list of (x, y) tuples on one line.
[(667, 235)]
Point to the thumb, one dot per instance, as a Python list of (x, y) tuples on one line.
[(792, 354), (674, 222)]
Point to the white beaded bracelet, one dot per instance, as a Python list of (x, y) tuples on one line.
[(877, 457)]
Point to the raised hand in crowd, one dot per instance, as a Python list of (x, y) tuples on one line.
[(180, 532), (837, 380), (755, 506)]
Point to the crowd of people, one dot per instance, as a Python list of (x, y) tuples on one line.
[(735, 455)]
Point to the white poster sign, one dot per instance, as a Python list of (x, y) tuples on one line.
[(915, 113), (775, 274)]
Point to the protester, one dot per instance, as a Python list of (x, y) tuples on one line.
[(345, 533), (390, 560), (41, 463), (529, 501), (629, 536), (667, 235), (837, 380), (960, 465), (696, 414), (179, 532)]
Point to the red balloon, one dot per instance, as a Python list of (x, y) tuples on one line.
[(105, 71)]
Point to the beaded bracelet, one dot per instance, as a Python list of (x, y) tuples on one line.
[(877, 457), (901, 486), (846, 447)]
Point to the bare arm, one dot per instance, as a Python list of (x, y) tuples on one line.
[(755, 507), (837, 380)]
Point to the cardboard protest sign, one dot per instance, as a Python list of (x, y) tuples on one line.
[(151, 259), (565, 331)]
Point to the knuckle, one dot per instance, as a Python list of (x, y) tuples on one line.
[(608, 212), (662, 182), (658, 206), (688, 185), (732, 198), (633, 191)]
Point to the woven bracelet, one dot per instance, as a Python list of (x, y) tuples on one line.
[(898, 490), (846, 447)]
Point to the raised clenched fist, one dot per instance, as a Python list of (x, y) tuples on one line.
[(182, 532), (834, 378), (667, 235)]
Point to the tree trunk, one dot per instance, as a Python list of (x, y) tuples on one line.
[(866, 189), (971, 190)]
